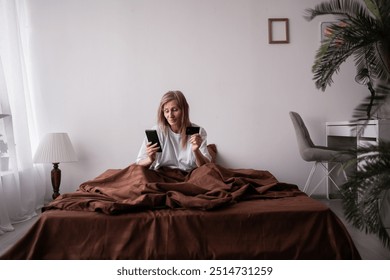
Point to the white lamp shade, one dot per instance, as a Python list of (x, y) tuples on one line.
[(55, 148)]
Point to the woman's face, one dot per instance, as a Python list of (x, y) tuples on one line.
[(172, 114)]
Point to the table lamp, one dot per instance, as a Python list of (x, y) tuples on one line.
[(55, 148)]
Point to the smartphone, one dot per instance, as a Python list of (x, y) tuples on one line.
[(153, 137), (192, 130)]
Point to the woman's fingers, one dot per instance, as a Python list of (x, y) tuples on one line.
[(151, 149), (196, 141)]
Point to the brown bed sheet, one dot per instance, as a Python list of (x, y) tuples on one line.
[(287, 228), (212, 213)]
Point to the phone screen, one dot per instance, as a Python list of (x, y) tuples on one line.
[(153, 137)]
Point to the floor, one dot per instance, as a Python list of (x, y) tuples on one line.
[(9, 238), (368, 245)]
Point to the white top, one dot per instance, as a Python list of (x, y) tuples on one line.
[(173, 155)]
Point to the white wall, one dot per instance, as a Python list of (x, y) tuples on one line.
[(99, 68)]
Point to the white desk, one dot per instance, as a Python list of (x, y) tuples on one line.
[(371, 132), (347, 134)]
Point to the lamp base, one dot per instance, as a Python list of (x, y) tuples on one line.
[(55, 180)]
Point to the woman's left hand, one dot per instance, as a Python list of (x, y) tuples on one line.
[(196, 140)]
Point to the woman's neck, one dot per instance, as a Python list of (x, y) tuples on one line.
[(175, 128)]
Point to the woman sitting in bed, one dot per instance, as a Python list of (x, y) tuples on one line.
[(179, 150)]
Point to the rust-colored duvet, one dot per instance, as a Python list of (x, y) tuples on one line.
[(210, 213)]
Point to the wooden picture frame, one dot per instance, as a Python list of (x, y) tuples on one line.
[(278, 31)]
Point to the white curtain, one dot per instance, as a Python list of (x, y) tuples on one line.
[(22, 189)]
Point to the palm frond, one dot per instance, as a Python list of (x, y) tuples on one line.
[(384, 9), (341, 8), (348, 40), (359, 33), (329, 58), (363, 192), (372, 6)]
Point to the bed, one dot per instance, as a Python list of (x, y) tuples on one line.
[(210, 213)]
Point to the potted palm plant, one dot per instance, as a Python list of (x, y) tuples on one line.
[(362, 31)]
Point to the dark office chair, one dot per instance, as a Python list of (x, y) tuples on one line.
[(318, 154)]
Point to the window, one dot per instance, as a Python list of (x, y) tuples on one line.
[(4, 152)]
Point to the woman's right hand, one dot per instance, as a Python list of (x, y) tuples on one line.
[(151, 151)]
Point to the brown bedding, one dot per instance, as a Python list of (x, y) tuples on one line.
[(207, 187), (210, 213)]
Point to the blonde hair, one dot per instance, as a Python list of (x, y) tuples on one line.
[(179, 97)]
